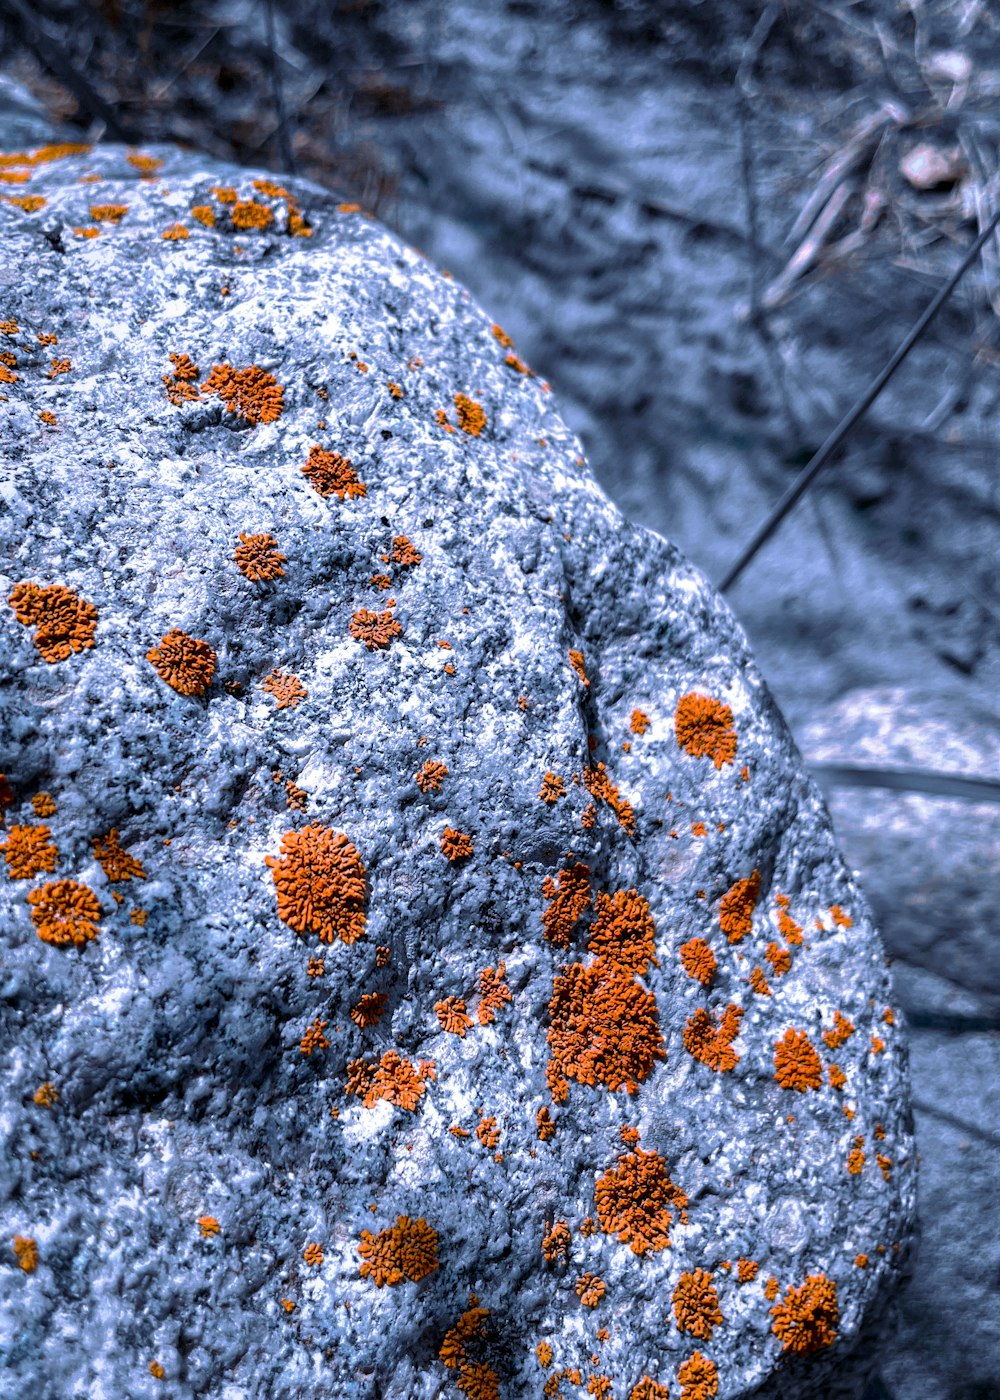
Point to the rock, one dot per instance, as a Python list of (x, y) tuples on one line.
[(930, 863), (927, 168), (428, 967)]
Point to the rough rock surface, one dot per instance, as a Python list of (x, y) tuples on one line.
[(327, 668)]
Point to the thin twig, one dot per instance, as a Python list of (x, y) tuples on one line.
[(808, 250), (843, 162), (819, 460), (284, 145), (840, 775)]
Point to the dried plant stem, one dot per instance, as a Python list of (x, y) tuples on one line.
[(819, 460)]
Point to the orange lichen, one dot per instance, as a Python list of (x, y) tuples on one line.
[(225, 194), (577, 662), (471, 418), (408, 1250), (30, 203), (796, 1063), (568, 897), (599, 785), (604, 1026), (856, 1157), (478, 1381), (556, 1243), (841, 919), (186, 664), (392, 1078), (779, 958), (836, 1076), (368, 1009), (493, 992), (58, 367), (26, 1252), (287, 690), (452, 1015), (108, 213), (314, 1039), (205, 214), (296, 798), (404, 552), (376, 630), (771, 1289), (46, 1094), (623, 931), (544, 1353), (517, 363), (552, 788), (787, 927), (736, 909), (648, 1389), (746, 1270), (138, 917), (332, 475), (590, 1290), (87, 232), (456, 845), (487, 1131), (313, 1253), (28, 851), (639, 722), (545, 1126), (382, 955), (156, 1370), (431, 775), (696, 1304), (251, 393), (63, 621), (634, 1200), (699, 961), (65, 912), (841, 1031), (116, 863), (43, 804), (711, 1043), (258, 559), (884, 1165), (698, 1377), (180, 385), (704, 728), (249, 214), (759, 982), (806, 1319), (208, 1225), (146, 165), (175, 233), (320, 882)]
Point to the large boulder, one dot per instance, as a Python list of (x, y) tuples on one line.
[(428, 968)]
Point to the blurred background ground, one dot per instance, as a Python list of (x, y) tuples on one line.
[(708, 225)]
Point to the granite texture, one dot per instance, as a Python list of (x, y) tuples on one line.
[(326, 668)]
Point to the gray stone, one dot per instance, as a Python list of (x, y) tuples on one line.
[(177, 1045)]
